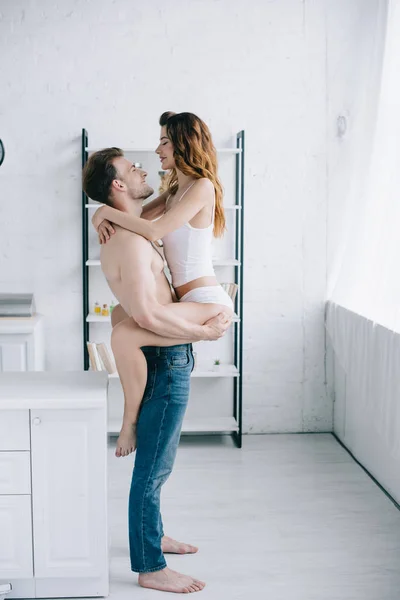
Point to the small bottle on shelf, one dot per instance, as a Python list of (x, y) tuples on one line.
[(97, 309), (112, 306), (104, 311)]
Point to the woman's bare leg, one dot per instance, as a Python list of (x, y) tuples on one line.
[(118, 315), (132, 369), (127, 339)]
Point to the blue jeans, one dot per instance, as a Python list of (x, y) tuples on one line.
[(158, 432)]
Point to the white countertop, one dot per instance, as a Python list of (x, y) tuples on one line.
[(20, 324), (50, 389)]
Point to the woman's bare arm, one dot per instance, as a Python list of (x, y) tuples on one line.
[(155, 208), (139, 285), (152, 210), (197, 197)]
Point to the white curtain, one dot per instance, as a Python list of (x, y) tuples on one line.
[(363, 308), (365, 273)]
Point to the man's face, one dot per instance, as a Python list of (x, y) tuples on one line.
[(132, 178)]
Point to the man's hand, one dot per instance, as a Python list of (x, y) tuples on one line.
[(105, 231), (216, 327)]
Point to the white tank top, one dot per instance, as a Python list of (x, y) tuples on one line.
[(188, 251)]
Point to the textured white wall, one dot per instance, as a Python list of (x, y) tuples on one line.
[(113, 67)]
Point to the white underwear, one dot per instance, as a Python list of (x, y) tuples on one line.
[(213, 294)]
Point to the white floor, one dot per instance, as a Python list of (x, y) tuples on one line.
[(288, 517)]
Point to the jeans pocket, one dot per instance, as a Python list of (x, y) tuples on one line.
[(179, 360)]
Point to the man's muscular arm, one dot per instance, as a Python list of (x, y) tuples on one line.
[(140, 287)]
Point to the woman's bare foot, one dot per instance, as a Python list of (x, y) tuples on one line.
[(167, 580), (168, 545), (126, 443)]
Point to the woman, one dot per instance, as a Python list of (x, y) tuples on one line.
[(192, 213)]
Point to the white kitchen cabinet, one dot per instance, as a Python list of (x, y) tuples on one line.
[(14, 428), (15, 473), (53, 484), (21, 343), (16, 533)]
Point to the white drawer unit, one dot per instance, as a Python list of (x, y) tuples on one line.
[(14, 430), (53, 484), (15, 473)]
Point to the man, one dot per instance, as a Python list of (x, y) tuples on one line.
[(111, 179)]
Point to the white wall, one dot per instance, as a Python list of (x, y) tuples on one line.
[(113, 68)]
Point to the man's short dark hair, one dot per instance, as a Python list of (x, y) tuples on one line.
[(99, 173)]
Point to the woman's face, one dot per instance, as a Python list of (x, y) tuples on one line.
[(165, 150)]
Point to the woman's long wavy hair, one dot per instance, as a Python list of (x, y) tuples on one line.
[(195, 156)]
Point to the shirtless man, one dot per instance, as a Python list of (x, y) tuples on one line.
[(135, 272)]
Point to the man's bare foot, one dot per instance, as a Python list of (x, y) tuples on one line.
[(168, 545), (167, 580), (126, 443)]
